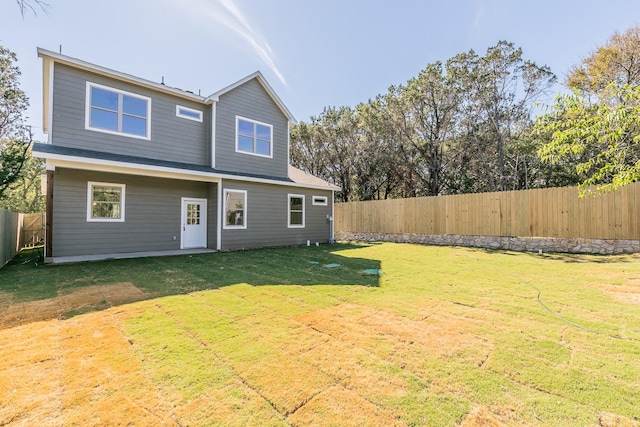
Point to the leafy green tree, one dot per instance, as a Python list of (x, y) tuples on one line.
[(326, 147), (499, 90), (423, 114), (24, 195), (617, 62), (15, 136), (601, 140)]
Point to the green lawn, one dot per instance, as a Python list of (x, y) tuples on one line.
[(444, 336)]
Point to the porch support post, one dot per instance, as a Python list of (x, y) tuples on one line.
[(48, 231)]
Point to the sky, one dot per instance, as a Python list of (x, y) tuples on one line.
[(313, 53)]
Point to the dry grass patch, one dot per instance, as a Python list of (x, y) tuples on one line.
[(339, 407), (70, 302)]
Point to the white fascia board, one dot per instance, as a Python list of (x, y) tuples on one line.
[(78, 63), (214, 97), (47, 95), (74, 162)]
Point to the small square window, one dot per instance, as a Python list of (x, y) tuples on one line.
[(105, 202)]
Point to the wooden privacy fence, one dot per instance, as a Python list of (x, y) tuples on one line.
[(549, 212)]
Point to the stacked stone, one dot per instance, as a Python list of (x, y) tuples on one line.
[(522, 244)]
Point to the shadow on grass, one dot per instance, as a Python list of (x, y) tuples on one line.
[(25, 282), (569, 258)]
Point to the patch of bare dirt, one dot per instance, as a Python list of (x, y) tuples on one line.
[(629, 293), (79, 300)]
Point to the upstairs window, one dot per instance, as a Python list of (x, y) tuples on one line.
[(188, 113), (118, 112), (105, 202), (254, 137)]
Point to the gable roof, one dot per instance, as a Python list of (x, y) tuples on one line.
[(260, 78)]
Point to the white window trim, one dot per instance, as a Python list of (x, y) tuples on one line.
[(90, 185), (224, 210), (319, 203), (182, 107), (289, 225), (87, 111), (270, 156)]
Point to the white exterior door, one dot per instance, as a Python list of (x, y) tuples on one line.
[(194, 223)]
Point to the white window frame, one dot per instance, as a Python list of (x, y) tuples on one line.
[(319, 200), (255, 122), (191, 110), (289, 225), (87, 112), (90, 185), (224, 210)]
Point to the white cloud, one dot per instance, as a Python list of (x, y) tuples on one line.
[(227, 13)]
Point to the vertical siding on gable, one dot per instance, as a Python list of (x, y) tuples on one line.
[(251, 101), (172, 138), (267, 210), (152, 214)]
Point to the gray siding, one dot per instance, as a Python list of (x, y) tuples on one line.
[(172, 138), (212, 215), (267, 217), (252, 102), (152, 214)]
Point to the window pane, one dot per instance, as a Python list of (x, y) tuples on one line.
[(245, 128), (105, 210), (264, 132), (263, 147), (104, 119), (106, 194), (188, 113), (135, 106), (235, 209), (134, 125), (295, 203), (296, 218), (104, 99), (245, 144)]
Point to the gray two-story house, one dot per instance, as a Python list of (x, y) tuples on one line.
[(136, 167)]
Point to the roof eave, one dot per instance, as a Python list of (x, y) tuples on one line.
[(87, 66)]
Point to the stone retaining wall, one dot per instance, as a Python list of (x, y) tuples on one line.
[(523, 244)]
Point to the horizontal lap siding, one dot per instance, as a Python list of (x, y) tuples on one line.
[(152, 214), (252, 102), (267, 217), (172, 138)]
